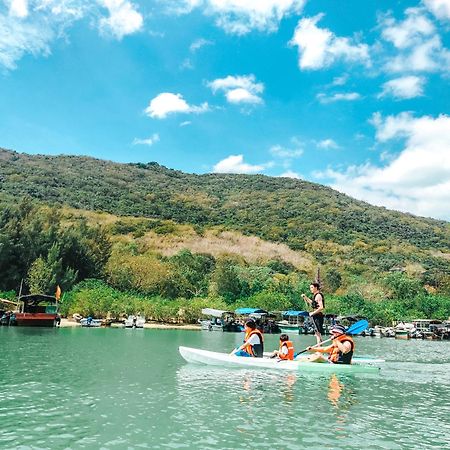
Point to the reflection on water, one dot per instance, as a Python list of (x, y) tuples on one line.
[(287, 387), (268, 402), (334, 390)]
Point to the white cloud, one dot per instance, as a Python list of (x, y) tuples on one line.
[(167, 103), (283, 152), (236, 164), (340, 96), (241, 95), (440, 8), (194, 48), (239, 89), (419, 47), (18, 8), (340, 81), (62, 11), (327, 144), (242, 16), (123, 18), (149, 141), (185, 123), (198, 44), (429, 56), (32, 26), (408, 32), (417, 180), (290, 174), (404, 87), (319, 47), (18, 37), (186, 64), (156, 34), (181, 6), (230, 82)]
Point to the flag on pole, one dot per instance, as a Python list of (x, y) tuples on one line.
[(58, 292)]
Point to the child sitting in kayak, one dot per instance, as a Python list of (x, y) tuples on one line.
[(253, 342), (339, 352), (286, 350)]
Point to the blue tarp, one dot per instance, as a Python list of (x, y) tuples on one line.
[(244, 311), (296, 313)]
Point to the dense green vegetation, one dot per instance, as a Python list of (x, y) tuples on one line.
[(374, 262), (278, 209), (96, 298), (37, 247)]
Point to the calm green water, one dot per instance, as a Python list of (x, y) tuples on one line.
[(114, 388)]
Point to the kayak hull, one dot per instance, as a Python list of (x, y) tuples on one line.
[(198, 356), (355, 359)]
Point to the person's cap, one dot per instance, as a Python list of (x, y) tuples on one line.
[(339, 329), (250, 323)]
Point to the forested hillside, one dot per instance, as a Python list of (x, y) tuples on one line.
[(282, 209), (229, 238)]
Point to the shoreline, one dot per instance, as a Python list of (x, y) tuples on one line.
[(66, 323)]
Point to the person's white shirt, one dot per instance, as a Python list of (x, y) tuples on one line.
[(254, 339), (284, 350)]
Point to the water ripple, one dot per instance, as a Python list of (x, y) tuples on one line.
[(110, 389)]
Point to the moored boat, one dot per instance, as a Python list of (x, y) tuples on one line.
[(36, 310), (219, 320), (292, 321), (404, 330), (199, 356), (133, 321), (91, 322)]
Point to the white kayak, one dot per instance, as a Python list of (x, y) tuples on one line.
[(198, 356), (355, 360)]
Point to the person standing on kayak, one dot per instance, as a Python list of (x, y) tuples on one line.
[(317, 303), (253, 342), (339, 352)]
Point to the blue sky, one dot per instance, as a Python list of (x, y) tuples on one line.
[(350, 94)]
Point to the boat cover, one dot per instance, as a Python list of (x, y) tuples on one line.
[(215, 312), (245, 311), (295, 313)]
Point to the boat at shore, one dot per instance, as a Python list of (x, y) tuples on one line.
[(198, 356), (219, 320), (403, 330), (292, 321), (90, 322), (36, 310), (133, 321)]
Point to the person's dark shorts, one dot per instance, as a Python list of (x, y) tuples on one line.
[(318, 322)]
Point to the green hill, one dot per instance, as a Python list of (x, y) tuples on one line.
[(355, 244), (278, 209)]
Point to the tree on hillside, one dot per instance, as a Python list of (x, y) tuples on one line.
[(34, 240), (45, 274), (226, 279), (193, 272)]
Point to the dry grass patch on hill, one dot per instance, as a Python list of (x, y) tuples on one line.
[(216, 243)]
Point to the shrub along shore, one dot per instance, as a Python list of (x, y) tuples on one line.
[(97, 299)]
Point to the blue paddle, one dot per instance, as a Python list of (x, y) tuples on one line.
[(356, 328)]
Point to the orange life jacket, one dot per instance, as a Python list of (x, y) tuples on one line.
[(336, 356), (256, 350), (290, 348)]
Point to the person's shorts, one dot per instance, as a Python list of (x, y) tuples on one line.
[(318, 322), (242, 353)]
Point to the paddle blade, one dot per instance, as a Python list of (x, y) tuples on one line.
[(357, 327)]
